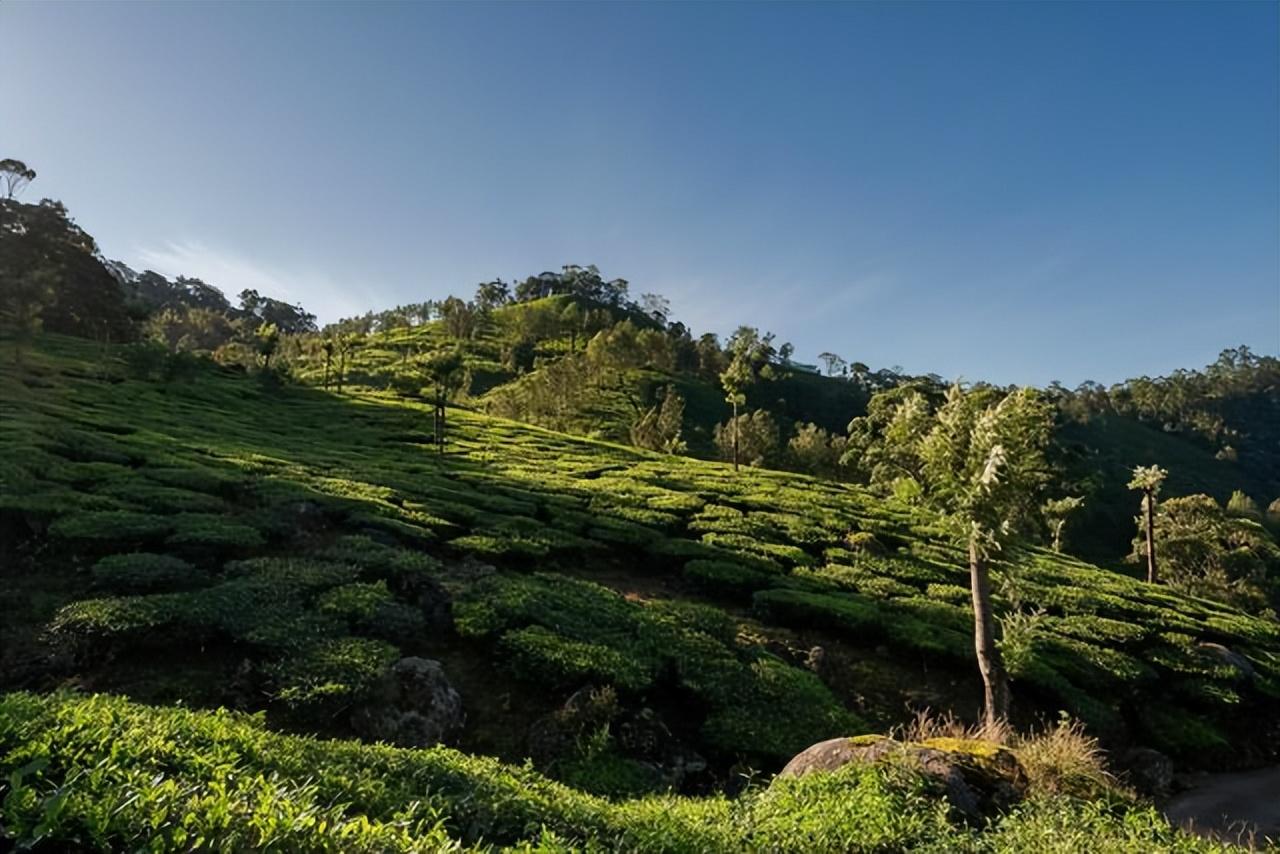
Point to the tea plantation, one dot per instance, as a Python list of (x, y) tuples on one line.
[(659, 634)]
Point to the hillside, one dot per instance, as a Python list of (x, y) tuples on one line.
[(227, 541), (522, 360)]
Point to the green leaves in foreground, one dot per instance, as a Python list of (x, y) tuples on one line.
[(100, 773)]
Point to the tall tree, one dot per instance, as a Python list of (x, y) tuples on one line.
[(1056, 513), (749, 357), (445, 370), (979, 461), (14, 176), (23, 300), (1148, 480)]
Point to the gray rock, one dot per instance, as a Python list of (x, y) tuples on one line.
[(1231, 658), (413, 705), (1149, 771), (976, 778)]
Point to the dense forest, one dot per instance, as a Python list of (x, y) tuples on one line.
[(539, 566)]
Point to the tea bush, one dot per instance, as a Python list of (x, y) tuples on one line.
[(99, 772), (143, 572)]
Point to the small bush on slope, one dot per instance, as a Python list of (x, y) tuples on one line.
[(100, 773)]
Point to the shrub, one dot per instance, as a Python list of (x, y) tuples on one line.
[(160, 499), (540, 655), (331, 674), (212, 531), (142, 572), (119, 525), (723, 578)]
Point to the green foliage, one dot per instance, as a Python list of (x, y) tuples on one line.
[(213, 532), (757, 436), (725, 578), (331, 674), (1207, 551), (142, 572), (112, 525)]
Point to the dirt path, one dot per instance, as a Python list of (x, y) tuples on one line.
[(1232, 806)]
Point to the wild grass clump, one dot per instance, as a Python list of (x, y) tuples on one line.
[(1059, 759)]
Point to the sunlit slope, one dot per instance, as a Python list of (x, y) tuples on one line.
[(303, 515)]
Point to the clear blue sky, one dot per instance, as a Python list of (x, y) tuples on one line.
[(1019, 192)]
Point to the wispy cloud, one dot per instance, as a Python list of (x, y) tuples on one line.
[(232, 273)]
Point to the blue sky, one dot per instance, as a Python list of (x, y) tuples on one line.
[(1014, 192)]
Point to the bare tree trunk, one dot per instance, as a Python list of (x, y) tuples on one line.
[(1151, 538), (995, 683), (735, 435), (327, 359), (439, 420)]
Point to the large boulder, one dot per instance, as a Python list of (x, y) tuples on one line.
[(977, 778), (412, 705)]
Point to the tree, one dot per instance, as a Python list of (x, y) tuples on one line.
[(88, 299), (1148, 479), (490, 295), (23, 300), (14, 176), (345, 344), (751, 437), (656, 306), (445, 371), (266, 342), (1242, 505), (327, 347), (979, 461), (659, 428), (750, 354), (1207, 551), (572, 319), (834, 364), (182, 329), (1056, 512), (460, 318), (815, 451)]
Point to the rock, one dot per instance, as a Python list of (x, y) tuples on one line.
[(555, 735), (644, 735), (816, 660), (977, 778), (1230, 658), (1149, 771), (436, 605), (413, 705)]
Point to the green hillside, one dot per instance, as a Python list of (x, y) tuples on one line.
[(229, 541)]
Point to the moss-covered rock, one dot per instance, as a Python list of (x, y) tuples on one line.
[(977, 778)]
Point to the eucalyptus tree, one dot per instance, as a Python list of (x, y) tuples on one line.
[(1148, 480), (445, 370), (750, 354), (979, 461), (14, 176), (1056, 513)]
